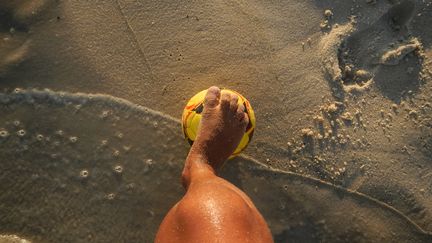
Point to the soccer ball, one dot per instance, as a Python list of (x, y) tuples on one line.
[(192, 116)]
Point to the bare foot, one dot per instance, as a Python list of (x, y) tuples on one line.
[(222, 126)]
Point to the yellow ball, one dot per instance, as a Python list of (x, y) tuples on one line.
[(192, 116)]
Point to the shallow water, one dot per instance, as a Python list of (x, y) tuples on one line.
[(59, 176), (62, 181)]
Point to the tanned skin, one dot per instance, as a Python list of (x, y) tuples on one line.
[(214, 210)]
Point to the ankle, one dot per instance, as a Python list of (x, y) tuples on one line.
[(196, 166), (203, 155)]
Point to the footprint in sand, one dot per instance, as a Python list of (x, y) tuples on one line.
[(384, 53), (15, 19)]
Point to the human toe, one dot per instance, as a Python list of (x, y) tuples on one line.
[(233, 102), (212, 97), (225, 100), (242, 115)]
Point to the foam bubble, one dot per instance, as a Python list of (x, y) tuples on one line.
[(130, 186), (110, 196), (21, 133), (39, 137), (118, 169), (4, 133), (147, 164), (104, 114), (116, 153), (84, 174)]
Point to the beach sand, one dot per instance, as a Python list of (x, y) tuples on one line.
[(92, 92)]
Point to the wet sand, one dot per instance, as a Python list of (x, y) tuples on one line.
[(342, 94)]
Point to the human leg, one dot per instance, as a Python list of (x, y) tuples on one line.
[(214, 210)]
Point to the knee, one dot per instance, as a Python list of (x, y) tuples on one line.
[(202, 202), (211, 209)]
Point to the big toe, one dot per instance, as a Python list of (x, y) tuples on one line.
[(212, 97)]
